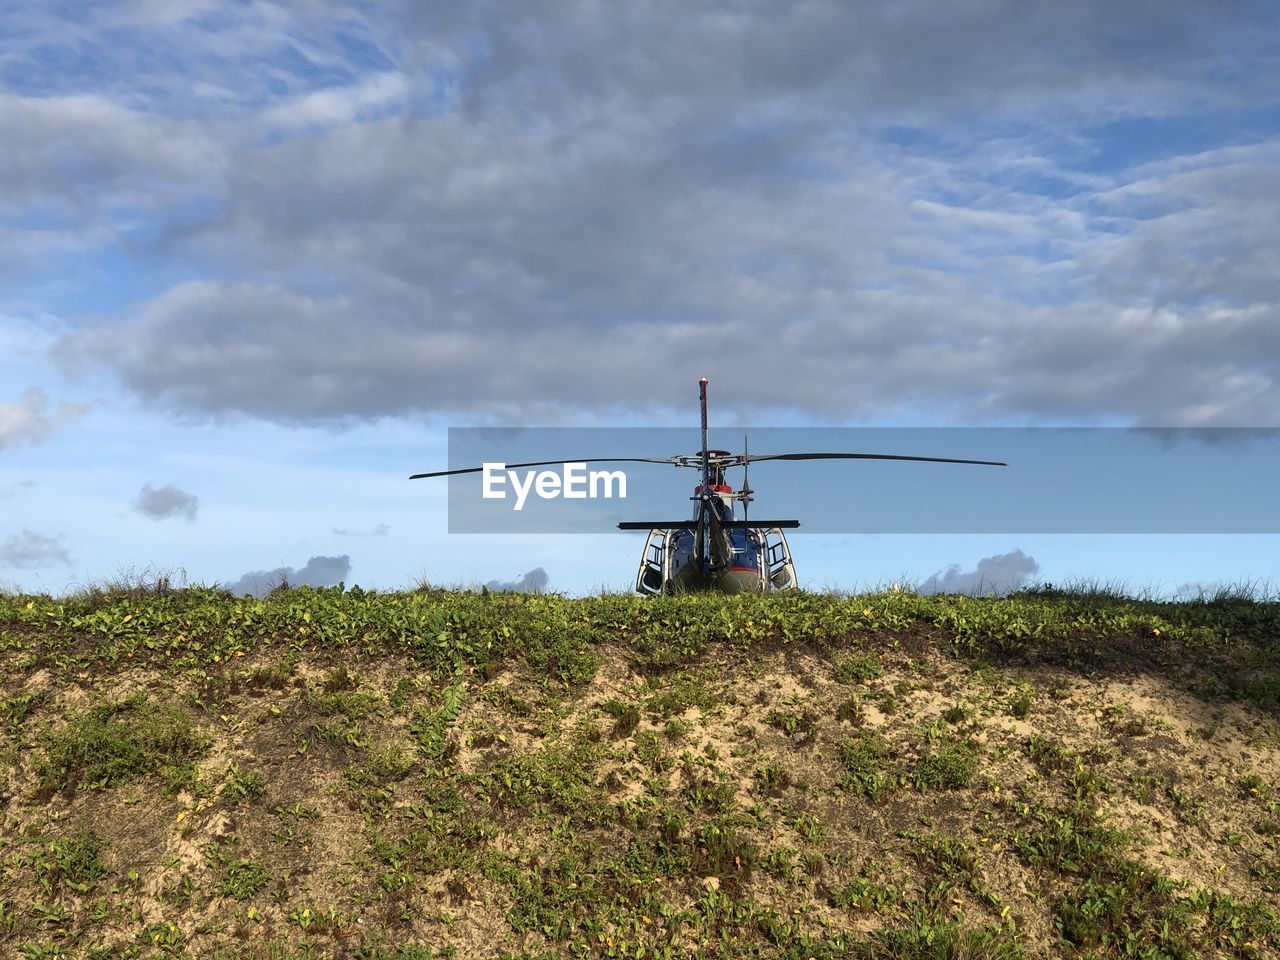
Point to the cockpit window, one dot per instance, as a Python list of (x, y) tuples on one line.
[(745, 548)]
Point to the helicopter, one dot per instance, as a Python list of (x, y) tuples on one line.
[(715, 551)]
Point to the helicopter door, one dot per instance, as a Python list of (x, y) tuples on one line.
[(781, 571), (650, 577)]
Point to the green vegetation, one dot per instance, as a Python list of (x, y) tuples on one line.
[(71, 862), (859, 668), (243, 785), (198, 628), (114, 743), (947, 765), (435, 774), (241, 879), (626, 716), (868, 762), (797, 724)]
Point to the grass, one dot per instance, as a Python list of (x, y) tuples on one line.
[(243, 786), (859, 668), (73, 862), (869, 767), (797, 724), (241, 879), (947, 765), (626, 716), (438, 774), (115, 743)]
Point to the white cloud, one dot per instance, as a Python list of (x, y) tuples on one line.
[(335, 106), (30, 420), (379, 530)]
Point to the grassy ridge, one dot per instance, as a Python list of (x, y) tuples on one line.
[(348, 773), (197, 629)]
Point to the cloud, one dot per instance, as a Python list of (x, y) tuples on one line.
[(16, 488), (1255, 589), (999, 574), (380, 530), (526, 214), (30, 421), (1238, 437), (88, 172), (317, 572), (30, 551), (535, 581), (160, 503), (335, 106)]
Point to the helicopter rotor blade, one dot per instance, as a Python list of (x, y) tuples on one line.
[(730, 461), (550, 463), (868, 456)]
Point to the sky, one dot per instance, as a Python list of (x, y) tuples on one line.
[(256, 259)]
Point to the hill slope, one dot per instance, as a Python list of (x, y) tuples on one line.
[(435, 774)]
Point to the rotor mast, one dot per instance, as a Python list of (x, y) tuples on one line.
[(706, 460), (703, 492)]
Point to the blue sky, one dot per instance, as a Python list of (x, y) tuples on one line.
[(260, 257)]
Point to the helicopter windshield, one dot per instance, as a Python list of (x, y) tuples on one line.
[(744, 548)]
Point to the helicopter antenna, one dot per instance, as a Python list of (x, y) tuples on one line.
[(706, 462), (701, 544)]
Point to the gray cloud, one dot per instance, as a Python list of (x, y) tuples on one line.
[(535, 581), (1210, 590), (31, 420), (524, 213), (999, 574), (29, 550), (379, 530), (132, 156), (160, 503), (1197, 366), (317, 572), (13, 489), (1171, 437)]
